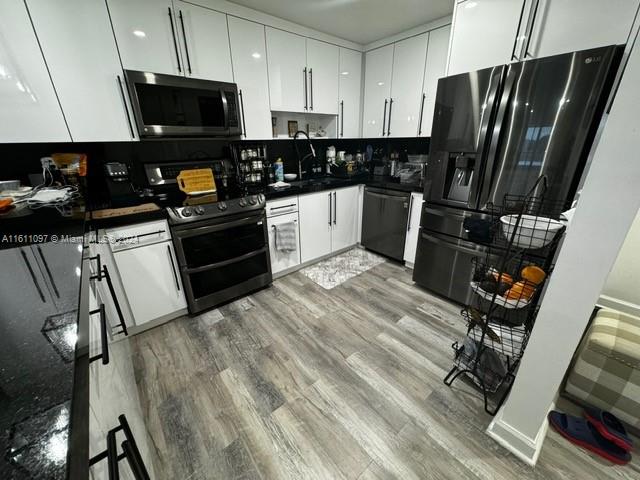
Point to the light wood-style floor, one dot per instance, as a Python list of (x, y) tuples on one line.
[(298, 382)]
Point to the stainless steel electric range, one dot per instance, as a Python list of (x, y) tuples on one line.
[(222, 249)]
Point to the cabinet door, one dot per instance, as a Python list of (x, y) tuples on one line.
[(484, 33), (87, 74), (151, 272), (563, 26), (322, 69), (413, 228), (282, 260), (287, 62), (249, 57), (147, 35), (345, 218), (406, 86), (204, 40), (315, 225), (349, 89), (377, 90), (435, 68), (29, 109)]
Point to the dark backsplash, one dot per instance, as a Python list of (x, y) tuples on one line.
[(17, 160)]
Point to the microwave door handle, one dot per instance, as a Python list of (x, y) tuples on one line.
[(225, 108)]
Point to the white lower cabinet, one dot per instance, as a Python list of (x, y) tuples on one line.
[(315, 225), (328, 222), (413, 228), (150, 272), (283, 260), (143, 266), (345, 218)]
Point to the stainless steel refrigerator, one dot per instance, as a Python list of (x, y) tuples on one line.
[(495, 131)]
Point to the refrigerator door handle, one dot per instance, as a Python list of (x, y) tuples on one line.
[(505, 102), (484, 133)]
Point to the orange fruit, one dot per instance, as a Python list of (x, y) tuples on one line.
[(503, 277), (532, 274), (521, 291)]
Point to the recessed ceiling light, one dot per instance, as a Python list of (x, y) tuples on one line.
[(256, 55), (139, 33), (380, 84), (344, 73)]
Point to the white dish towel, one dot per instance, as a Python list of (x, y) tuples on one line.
[(286, 237)]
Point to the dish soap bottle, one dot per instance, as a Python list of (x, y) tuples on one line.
[(278, 167)]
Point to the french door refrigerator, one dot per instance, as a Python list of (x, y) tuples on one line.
[(495, 131)]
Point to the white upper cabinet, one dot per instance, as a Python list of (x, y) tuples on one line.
[(435, 68), (562, 26), (29, 109), (406, 86), (484, 34), (377, 91), (322, 71), (86, 74), (349, 93), (147, 35), (204, 41), (287, 66), (249, 57)]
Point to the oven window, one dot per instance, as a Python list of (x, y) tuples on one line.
[(221, 245), (180, 107), (216, 279)]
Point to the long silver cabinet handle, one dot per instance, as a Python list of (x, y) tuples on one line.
[(126, 109), (173, 268), (175, 41)]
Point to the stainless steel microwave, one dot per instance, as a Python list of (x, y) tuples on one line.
[(174, 106)]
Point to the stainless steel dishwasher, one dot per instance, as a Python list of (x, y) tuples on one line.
[(384, 221)]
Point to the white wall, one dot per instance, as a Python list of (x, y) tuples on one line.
[(621, 290), (606, 210)]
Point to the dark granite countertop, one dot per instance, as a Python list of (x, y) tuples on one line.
[(327, 183), (40, 262)]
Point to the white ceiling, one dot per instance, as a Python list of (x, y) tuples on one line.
[(360, 21)]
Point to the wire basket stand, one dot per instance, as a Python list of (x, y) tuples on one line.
[(521, 237)]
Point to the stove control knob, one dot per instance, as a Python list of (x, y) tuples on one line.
[(222, 206), (187, 212), (242, 202), (261, 198), (199, 210), (253, 200)]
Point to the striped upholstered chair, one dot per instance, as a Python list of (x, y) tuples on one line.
[(606, 370)]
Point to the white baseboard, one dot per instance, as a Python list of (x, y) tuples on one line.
[(619, 305), (525, 448)]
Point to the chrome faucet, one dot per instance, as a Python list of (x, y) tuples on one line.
[(312, 154)]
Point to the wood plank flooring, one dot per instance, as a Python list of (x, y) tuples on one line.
[(298, 382)]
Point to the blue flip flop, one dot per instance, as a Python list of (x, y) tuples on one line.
[(609, 427), (584, 434)]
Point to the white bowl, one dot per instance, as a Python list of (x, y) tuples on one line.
[(533, 232), (290, 176)]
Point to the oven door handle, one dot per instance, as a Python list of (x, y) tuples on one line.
[(192, 232), (224, 263)]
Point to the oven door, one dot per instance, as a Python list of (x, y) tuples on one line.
[(169, 105), (223, 261)]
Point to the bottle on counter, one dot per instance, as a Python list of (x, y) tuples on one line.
[(278, 169)]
